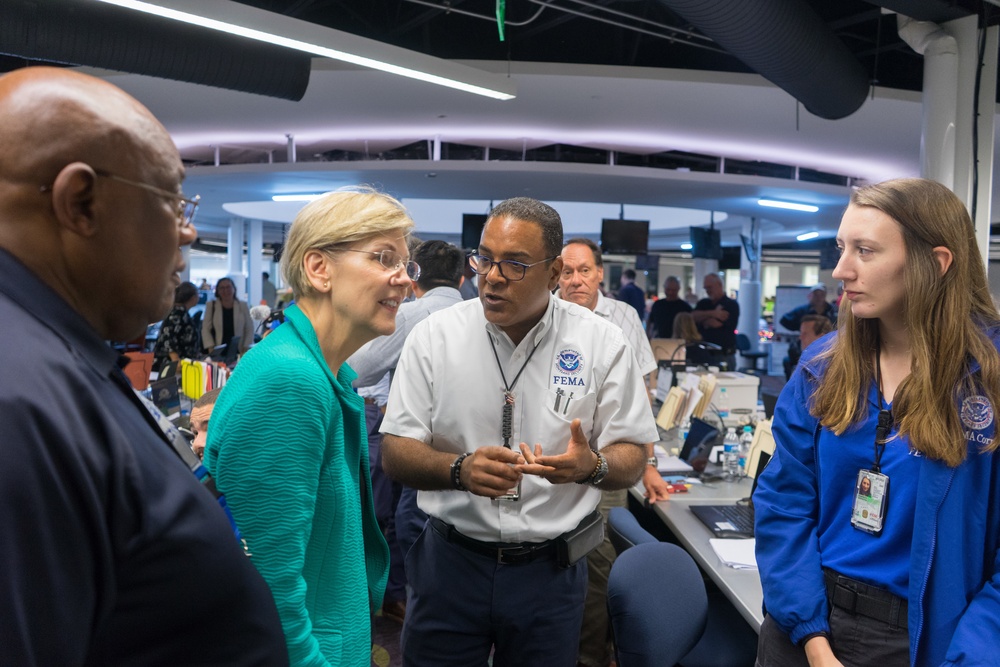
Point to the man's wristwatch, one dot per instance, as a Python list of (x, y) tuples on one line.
[(600, 472), (651, 461)]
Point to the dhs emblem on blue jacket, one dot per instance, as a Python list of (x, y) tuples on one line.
[(569, 361), (976, 413)]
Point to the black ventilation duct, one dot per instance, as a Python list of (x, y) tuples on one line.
[(787, 43), (96, 35)]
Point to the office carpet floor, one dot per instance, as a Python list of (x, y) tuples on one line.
[(385, 648)]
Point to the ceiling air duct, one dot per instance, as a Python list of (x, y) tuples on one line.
[(96, 35), (787, 43)]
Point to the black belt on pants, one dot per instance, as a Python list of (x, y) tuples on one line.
[(505, 553), (857, 597)]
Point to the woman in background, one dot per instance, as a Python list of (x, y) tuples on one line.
[(178, 338), (685, 328), (225, 318), (906, 392), (300, 488)]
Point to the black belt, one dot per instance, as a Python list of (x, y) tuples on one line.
[(857, 597), (505, 553)]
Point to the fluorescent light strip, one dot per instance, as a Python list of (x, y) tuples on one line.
[(312, 197), (808, 208), (686, 246), (250, 33), (807, 236)]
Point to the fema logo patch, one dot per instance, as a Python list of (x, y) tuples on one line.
[(569, 361), (976, 413)]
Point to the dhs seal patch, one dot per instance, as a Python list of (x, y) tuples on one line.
[(976, 413), (569, 361)]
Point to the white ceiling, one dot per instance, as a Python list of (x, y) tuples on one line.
[(638, 110)]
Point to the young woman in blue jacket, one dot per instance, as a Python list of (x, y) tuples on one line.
[(901, 569)]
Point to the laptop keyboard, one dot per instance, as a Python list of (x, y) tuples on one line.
[(741, 516)]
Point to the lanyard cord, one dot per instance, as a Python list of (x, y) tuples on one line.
[(884, 414), (508, 395)]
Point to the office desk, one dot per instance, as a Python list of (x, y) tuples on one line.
[(741, 587)]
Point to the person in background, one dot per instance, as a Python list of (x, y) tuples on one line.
[(663, 312), (201, 413), (178, 338), (226, 317), (301, 488), (268, 291), (632, 294), (579, 282), (717, 317), (516, 367), (792, 320), (906, 392), (113, 552), (441, 266), (687, 330), (468, 287), (813, 328), (204, 285)]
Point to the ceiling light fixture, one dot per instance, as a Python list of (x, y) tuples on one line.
[(312, 197), (791, 206), (253, 23), (807, 236), (686, 246)]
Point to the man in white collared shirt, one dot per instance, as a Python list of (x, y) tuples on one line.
[(484, 571), (580, 282)]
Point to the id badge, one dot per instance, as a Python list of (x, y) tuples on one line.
[(871, 497)]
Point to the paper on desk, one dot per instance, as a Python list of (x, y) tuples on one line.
[(738, 554), (667, 464)]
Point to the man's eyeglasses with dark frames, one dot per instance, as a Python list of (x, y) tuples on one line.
[(392, 261), (185, 207), (509, 269)]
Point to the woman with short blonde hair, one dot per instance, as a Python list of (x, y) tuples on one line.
[(300, 486)]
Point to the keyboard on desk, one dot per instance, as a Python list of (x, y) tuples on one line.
[(726, 520)]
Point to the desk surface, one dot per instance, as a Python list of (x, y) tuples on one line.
[(742, 587)]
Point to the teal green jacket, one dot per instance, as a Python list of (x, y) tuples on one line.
[(287, 444)]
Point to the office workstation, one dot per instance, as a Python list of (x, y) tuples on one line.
[(697, 152)]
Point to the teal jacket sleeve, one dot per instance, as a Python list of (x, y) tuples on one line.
[(267, 461)]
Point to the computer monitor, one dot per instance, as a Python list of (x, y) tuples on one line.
[(698, 444), (706, 243), (472, 229), (624, 237)]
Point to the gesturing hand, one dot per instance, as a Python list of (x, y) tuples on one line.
[(575, 464), (491, 471)]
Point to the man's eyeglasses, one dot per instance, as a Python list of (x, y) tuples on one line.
[(508, 268), (185, 207), (392, 261)]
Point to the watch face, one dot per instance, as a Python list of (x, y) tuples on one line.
[(602, 470)]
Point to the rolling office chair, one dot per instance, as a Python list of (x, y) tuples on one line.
[(743, 345), (657, 604), (725, 640)]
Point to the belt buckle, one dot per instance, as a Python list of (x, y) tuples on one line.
[(514, 553)]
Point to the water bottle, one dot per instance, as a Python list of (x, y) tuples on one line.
[(722, 403), (746, 439), (731, 455)]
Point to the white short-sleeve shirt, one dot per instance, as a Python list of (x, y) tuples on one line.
[(624, 316), (448, 392)]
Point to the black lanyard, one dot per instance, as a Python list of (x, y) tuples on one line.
[(507, 416), (884, 414)]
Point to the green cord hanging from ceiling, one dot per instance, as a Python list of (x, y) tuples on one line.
[(501, 12)]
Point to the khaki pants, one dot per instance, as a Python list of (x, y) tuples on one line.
[(595, 635)]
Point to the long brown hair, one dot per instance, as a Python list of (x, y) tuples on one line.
[(945, 316)]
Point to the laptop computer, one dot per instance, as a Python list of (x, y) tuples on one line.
[(736, 520), (694, 453)]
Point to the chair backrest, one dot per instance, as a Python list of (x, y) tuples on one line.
[(658, 605), (742, 343), (624, 530)]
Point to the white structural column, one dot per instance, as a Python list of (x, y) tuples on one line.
[(186, 254), (236, 256), (703, 267), (956, 144), (255, 264)]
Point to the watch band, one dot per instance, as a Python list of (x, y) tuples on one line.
[(456, 472), (651, 461)]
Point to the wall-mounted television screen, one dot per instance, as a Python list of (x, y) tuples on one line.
[(731, 258), (706, 243), (472, 229), (647, 262), (829, 255), (624, 237)]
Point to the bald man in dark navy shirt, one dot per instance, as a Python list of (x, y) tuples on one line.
[(113, 553)]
